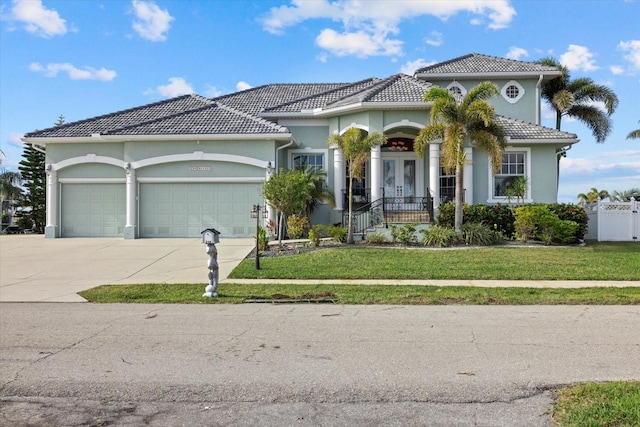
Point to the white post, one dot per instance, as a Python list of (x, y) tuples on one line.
[(50, 230), (131, 189), (376, 173), (338, 177), (434, 174), (467, 175)]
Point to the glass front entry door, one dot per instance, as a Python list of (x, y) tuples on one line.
[(401, 176)]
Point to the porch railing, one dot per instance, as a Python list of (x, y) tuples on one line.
[(387, 210)]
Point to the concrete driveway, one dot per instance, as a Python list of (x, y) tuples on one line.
[(34, 269)]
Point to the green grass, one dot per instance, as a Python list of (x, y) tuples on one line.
[(615, 404), (595, 261), (360, 294)]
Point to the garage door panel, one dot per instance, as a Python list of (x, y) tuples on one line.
[(184, 210), (93, 210)]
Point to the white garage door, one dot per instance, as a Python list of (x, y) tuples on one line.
[(93, 210), (184, 210)]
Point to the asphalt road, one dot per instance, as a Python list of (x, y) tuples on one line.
[(303, 365)]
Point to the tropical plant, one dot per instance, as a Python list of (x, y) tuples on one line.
[(634, 134), (517, 187), (320, 192), (405, 234), (297, 226), (10, 183), (626, 195), (453, 122), (355, 146), (578, 99), (593, 196), (440, 237)]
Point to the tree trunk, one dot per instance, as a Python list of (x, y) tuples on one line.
[(350, 222), (459, 200)]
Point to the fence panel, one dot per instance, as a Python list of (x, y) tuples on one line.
[(618, 221)]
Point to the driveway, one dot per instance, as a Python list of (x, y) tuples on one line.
[(36, 269)]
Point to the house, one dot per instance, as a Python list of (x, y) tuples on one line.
[(176, 167)]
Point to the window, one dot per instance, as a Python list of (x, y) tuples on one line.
[(447, 186), (457, 90), (514, 165), (512, 91), (302, 160)]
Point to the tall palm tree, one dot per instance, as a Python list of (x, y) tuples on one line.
[(356, 146), (593, 196), (320, 192), (634, 134), (10, 191), (576, 98), (453, 123)]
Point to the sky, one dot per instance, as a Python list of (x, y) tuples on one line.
[(84, 58)]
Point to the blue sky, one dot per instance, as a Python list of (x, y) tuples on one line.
[(83, 58)]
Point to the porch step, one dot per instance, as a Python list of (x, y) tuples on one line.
[(407, 217)]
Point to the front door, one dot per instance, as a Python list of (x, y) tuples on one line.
[(401, 175)]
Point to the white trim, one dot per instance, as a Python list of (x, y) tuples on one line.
[(199, 155), (403, 123), (303, 122), (510, 83), (354, 125), (97, 138), (457, 84), (89, 158), (92, 180), (527, 173), (147, 180)]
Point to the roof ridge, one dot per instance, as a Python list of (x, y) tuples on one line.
[(163, 118), (251, 116)]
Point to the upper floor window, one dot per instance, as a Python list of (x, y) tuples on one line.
[(512, 91), (457, 90)]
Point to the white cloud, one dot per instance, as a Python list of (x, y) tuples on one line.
[(578, 58), (516, 53), (322, 57), (37, 19), (177, 86), (366, 28), (633, 55), (212, 91), (412, 66), (15, 139), (152, 22), (88, 73), (360, 44), (616, 69), (241, 85), (434, 38)]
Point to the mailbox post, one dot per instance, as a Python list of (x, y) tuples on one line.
[(210, 237)]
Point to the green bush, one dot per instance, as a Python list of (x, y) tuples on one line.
[(439, 236), (405, 234), (337, 233), (376, 238), (539, 222), (296, 226), (497, 217), (263, 239), (575, 213), (480, 235), (564, 231)]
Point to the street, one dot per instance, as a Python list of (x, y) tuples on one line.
[(274, 365)]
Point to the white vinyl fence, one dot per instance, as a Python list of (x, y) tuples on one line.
[(614, 221)]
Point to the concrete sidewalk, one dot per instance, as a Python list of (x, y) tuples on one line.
[(35, 269)]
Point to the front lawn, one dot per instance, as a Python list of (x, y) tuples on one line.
[(595, 261)]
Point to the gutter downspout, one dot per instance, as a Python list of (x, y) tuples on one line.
[(293, 141)]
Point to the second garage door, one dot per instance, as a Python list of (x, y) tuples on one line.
[(185, 209)]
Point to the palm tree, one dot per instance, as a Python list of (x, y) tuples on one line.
[(593, 196), (356, 147), (625, 196), (320, 192), (10, 191), (453, 122), (634, 134), (577, 98)]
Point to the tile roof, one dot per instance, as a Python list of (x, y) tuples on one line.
[(399, 88), (476, 63), (521, 130), (124, 118)]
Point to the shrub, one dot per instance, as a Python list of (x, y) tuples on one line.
[(497, 217), (564, 231), (376, 238), (534, 222), (263, 239), (439, 236), (405, 234), (337, 233), (296, 226), (571, 212), (479, 234)]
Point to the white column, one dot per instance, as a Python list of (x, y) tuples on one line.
[(50, 230), (338, 177), (434, 174), (132, 196), (376, 173), (467, 175)]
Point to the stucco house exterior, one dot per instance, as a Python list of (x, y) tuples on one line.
[(176, 167)]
